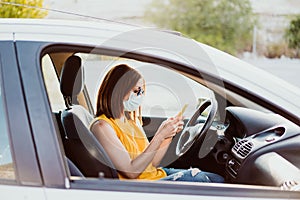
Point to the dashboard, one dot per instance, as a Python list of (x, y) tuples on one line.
[(261, 142)]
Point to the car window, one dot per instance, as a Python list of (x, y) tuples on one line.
[(6, 162), (52, 85), (167, 91)]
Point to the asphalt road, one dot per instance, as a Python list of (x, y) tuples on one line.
[(284, 68)]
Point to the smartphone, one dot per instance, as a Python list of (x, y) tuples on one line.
[(182, 110)]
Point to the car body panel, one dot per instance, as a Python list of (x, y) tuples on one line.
[(38, 153), (79, 194), (21, 192), (6, 36)]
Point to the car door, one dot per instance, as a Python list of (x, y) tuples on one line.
[(20, 176), (56, 179)]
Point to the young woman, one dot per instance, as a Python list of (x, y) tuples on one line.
[(119, 131)]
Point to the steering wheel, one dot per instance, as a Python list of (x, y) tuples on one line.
[(195, 130)]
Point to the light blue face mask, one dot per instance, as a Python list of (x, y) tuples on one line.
[(133, 102)]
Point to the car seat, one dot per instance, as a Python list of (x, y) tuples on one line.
[(80, 145)]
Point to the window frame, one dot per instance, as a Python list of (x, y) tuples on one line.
[(22, 147), (51, 166)]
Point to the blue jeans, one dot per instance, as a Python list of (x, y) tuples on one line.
[(192, 175)]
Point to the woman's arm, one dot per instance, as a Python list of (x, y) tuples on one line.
[(161, 152), (107, 137), (166, 143)]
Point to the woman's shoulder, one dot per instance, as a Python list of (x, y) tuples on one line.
[(100, 122), (102, 127)]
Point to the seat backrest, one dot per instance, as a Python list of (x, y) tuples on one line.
[(80, 145)]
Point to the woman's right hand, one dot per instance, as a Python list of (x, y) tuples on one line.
[(170, 127)]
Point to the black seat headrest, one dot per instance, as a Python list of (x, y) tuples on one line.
[(72, 77)]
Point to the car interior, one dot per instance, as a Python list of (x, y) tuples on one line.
[(239, 139), (81, 147)]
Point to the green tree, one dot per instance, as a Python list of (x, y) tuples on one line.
[(292, 35), (30, 9), (226, 25)]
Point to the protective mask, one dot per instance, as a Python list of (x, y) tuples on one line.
[(133, 102)]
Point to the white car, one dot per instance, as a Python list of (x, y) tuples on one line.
[(241, 122)]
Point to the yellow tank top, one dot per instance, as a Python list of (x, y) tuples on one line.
[(135, 141)]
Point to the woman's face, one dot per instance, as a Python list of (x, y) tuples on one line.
[(138, 89)]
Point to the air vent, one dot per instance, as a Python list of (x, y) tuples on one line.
[(243, 148), (290, 185)]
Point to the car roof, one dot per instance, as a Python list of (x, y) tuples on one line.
[(162, 44)]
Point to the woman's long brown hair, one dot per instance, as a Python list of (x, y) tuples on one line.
[(116, 84)]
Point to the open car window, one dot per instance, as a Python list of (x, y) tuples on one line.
[(166, 90)]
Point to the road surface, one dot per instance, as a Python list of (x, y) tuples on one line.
[(286, 69)]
